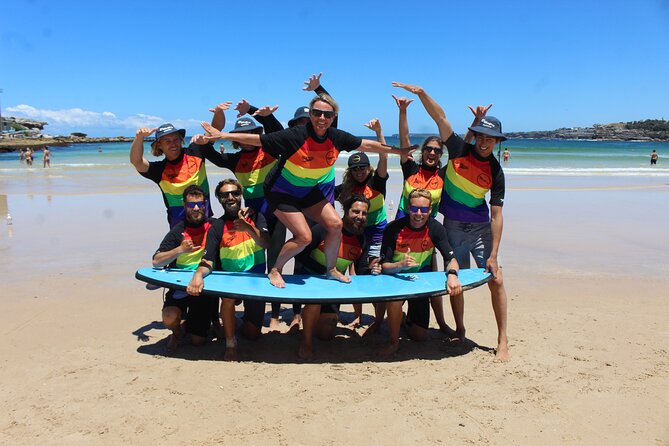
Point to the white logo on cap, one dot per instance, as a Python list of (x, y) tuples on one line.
[(488, 124)]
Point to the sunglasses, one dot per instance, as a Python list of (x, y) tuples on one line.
[(329, 114), (192, 204), (422, 209), (224, 195), (433, 149)]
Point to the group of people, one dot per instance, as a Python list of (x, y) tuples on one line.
[(287, 180), (28, 155)]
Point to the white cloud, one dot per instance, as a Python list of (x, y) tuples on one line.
[(77, 119)]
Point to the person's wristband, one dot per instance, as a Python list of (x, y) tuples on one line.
[(453, 271)]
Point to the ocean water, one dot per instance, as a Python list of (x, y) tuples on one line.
[(75, 168)]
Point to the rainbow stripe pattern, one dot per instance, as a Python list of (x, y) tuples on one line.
[(349, 251), (311, 166), (467, 182), (191, 260), (251, 170), (239, 252), (423, 179), (418, 245)]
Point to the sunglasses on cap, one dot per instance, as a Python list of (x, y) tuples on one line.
[(436, 150), (316, 112), (422, 209), (224, 195), (192, 204)]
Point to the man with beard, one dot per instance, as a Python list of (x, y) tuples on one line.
[(182, 248), (318, 319), (236, 242), (408, 246), (473, 229)]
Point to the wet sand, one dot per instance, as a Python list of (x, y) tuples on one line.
[(585, 261)]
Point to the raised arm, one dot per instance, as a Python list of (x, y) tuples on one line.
[(218, 120), (433, 109), (478, 112), (403, 104), (137, 150), (213, 134), (314, 84), (382, 166), (368, 145)]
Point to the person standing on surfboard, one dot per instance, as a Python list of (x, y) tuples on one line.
[(302, 183), (472, 228), (408, 246), (182, 248), (236, 242), (353, 254)]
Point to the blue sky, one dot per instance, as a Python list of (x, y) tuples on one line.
[(106, 68)]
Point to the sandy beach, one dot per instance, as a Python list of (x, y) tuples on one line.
[(585, 263)]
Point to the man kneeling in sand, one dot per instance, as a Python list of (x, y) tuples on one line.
[(408, 246), (182, 248), (236, 242), (318, 319)]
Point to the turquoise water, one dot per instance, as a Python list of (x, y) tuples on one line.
[(75, 167)]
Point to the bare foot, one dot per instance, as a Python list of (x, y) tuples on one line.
[(172, 343), (274, 325), (458, 336), (276, 279), (336, 275), (372, 328), (305, 351), (444, 328), (502, 353), (388, 349), (294, 326), (230, 354)]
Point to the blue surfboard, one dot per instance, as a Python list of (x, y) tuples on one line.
[(315, 289)]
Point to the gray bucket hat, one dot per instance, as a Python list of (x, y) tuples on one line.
[(489, 125), (245, 125)]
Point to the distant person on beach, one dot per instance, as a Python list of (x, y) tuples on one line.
[(361, 178), (180, 168), (236, 242), (353, 254), (46, 157), (507, 155), (472, 228), (409, 245), (22, 155), (653, 157), (29, 157), (99, 149), (301, 184), (182, 248)]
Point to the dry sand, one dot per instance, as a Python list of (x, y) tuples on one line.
[(585, 271)]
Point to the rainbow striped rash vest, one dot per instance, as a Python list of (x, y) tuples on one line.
[(419, 177), (306, 161), (235, 251), (468, 180), (181, 231), (173, 177), (400, 239)]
